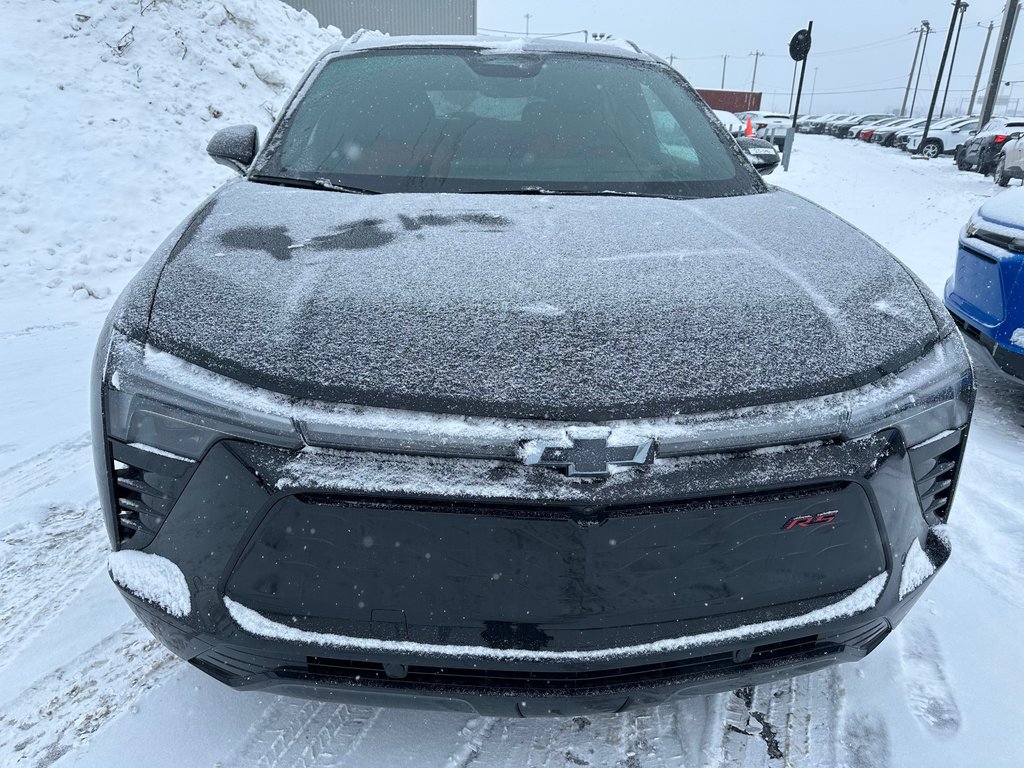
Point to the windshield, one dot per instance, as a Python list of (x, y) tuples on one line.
[(462, 120)]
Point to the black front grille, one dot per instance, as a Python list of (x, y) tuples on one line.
[(565, 682), (529, 508), (146, 485), (935, 466)]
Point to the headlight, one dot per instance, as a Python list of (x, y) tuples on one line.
[(156, 400), (995, 234), (146, 404), (931, 396)]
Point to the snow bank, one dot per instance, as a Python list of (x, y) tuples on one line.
[(859, 601), (108, 106), (152, 578)]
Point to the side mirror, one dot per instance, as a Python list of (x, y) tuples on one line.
[(234, 147), (762, 154)]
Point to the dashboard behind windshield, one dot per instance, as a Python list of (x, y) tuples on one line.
[(466, 120)]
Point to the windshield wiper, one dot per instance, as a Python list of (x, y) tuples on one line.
[(581, 192), (286, 181)]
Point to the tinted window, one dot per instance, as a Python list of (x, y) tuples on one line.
[(465, 120)]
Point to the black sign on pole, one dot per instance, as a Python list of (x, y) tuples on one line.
[(799, 47)]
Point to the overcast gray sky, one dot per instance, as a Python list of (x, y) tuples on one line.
[(869, 77)]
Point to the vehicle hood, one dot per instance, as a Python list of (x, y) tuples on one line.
[(1005, 209), (535, 306)]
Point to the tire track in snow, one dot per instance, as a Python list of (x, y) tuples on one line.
[(475, 733), (624, 740), (929, 695), (866, 740), (46, 468), (33, 330), (687, 732), (792, 723), (63, 709), (807, 711), (311, 734), (524, 743), (43, 567)]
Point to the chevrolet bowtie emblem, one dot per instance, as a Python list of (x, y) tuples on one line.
[(592, 457)]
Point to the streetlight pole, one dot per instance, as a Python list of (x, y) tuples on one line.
[(725, 58), (810, 102), (527, 17), (952, 59)]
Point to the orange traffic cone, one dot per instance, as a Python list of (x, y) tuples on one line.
[(750, 128)]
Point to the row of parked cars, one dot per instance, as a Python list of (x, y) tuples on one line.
[(985, 294), (997, 149)]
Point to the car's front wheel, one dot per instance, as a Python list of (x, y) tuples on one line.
[(961, 160), (931, 148)]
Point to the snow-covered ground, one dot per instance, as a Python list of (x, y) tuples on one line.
[(102, 156)]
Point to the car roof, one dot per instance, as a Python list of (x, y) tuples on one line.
[(370, 41)]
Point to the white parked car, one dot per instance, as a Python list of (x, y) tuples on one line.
[(941, 138), (903, 136), (1011, 162), (770, 126), (732, 123)]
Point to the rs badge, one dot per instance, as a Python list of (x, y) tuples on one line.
[(806, 521)]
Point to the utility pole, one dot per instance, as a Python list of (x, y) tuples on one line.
[(981, 66), (952, 59), (753, 78), (527, 17), (671, 58), (910, 78), (938, 77), (814, 82), (999, 62), (725, 58), (920, 69)]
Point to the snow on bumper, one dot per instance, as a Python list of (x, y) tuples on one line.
[(152, 578), (862, 599)]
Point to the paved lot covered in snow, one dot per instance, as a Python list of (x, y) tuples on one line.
[(82, 683)]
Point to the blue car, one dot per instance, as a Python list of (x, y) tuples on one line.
[(986, 292)]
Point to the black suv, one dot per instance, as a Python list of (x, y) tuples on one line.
[(500, 381)]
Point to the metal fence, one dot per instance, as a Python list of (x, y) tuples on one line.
[(396, 17)]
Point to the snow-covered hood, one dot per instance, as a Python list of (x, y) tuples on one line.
[(1005, 209), (560, 307)]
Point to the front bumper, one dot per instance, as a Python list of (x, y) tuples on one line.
[(1005, 360), (673, 579), (983, 297)]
